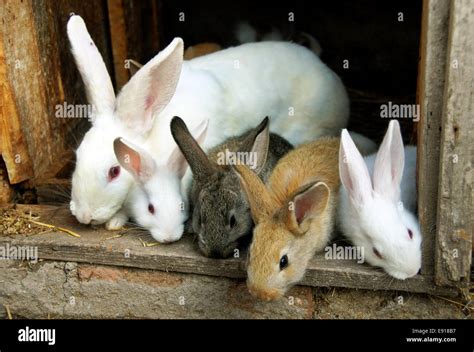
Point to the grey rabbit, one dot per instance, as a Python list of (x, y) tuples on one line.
[(220, 210)]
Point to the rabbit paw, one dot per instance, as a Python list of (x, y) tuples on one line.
[(116, 222)]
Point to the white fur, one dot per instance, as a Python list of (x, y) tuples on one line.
[(365, 145), (167, 223), (100, 92), (379, 216), (233, 88), (157, 185)]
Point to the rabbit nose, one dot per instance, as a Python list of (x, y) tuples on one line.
[(168, 239), (263, 293)]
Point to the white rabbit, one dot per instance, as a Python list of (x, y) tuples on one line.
[(378, 215), (365, 145), (233, 88), (155, 201)]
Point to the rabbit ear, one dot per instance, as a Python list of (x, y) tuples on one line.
[(177, 162), (257, 143), (308, 203), (135, 160), (389, 163), (133, 67), (262, 203), (151, 88), (353, 170), (99, 89), (198, 161)]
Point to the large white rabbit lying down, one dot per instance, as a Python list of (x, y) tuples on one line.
[(234, 88)]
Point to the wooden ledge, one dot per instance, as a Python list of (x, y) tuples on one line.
[(99, 246)]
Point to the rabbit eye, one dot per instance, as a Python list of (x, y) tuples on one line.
[(283, 262), (114, 171), (151, 208), (232, 221), (377, 253), (410, 234)]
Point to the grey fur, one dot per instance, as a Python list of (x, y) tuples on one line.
[(216, 194)]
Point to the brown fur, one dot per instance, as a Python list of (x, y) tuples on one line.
[(314, 161), (215, 192), (200, 50), (277, 232)]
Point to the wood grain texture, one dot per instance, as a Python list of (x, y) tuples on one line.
[(6, 191), (40, 74), (134, 33), (118, 37), (13, 146), (455, 194), (99, 247), (431, 73)]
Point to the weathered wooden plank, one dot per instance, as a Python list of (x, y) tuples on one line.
[(431, 73), (6, 191), (118, 37), (99, 247), (41, 75), (31, 86), (134, 32), (455, 194), (143, 25), (13, 146)]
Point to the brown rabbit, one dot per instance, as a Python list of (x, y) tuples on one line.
[(294, 215), (220, 212)]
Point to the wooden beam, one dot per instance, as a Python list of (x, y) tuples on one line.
[(13, 146), (100, 247), (38, 73), (32, 87), (118, 38), (431, 73), (134, 33), (6, 191), (455, 194)]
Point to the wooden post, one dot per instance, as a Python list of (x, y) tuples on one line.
[(118, 40), (134, 33), (433, 46), (13, 146), (37, 73), (6, 191), (455, 194)]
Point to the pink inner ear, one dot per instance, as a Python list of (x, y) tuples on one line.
[(152, 91), (302, 206), (136, 165), (158, 80), (149, 102)]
